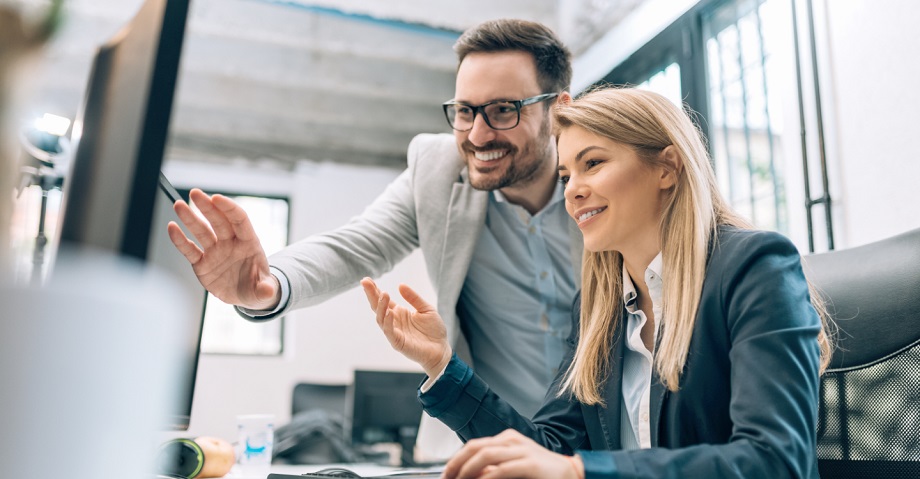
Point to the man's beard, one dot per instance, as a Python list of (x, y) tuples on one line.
[(524, 165)]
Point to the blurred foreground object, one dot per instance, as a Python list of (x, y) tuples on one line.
[(218, 456), (20, 37), (88, 365), (205, 457), (47, 151)]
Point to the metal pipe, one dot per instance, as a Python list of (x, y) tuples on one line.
[(802, 132), (820, 120)]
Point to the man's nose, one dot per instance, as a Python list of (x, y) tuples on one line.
[(481, 133)]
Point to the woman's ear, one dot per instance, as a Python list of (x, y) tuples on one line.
[(672, 169)]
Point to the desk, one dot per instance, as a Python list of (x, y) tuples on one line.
[(298, 469)]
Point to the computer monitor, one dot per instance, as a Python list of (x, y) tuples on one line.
[(121, 132), (385, 408), (114, 198), (163, 255)]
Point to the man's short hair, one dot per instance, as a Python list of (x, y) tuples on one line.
[(553, 59)]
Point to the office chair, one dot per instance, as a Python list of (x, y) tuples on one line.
[(316, 433), (869, 413), (326, 397)]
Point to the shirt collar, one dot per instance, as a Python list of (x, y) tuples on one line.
[(629, 289), (558, 195)]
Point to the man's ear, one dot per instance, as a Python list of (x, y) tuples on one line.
[(672, 169), (564, 98)]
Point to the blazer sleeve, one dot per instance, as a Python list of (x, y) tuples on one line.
[(774, 364), (467, 405), (324, 265)]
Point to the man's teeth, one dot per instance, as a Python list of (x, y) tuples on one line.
[(489, 155), (590, 214)]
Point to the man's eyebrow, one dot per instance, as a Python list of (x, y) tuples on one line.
[(581, 155)]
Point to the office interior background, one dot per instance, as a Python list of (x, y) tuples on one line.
[(303, 110)]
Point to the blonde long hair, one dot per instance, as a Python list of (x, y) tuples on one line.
[(648, 122)]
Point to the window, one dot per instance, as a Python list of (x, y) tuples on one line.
[(736, 64), (743, 44), (225, 332), (665, 82)]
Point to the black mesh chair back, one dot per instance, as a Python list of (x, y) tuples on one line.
[(869, 417)]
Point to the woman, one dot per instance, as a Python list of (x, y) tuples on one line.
[(696, 350)]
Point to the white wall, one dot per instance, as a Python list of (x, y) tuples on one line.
[(324, 343), (870, 85)]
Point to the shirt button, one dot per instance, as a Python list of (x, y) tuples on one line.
[(532, 229), (644, 417), (543, 275)]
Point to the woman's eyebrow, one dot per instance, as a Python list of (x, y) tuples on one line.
[(581, 155)]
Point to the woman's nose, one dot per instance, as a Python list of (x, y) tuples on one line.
[(575, 190)]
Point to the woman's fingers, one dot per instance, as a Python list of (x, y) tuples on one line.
[(478, 454), (383, 309), (519, 467), (415, 299), (473, 446), (371, 292), (493, 458)]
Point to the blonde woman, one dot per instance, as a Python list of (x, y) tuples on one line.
[(696, 350)]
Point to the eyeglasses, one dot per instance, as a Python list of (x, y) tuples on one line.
[(498, 114)]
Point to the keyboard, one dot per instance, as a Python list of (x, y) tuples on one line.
[(345, 473), (317, 475)]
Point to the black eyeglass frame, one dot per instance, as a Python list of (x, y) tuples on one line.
[(481, 109)]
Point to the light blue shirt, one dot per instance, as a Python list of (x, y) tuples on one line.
[(635, 432), (520, 285)]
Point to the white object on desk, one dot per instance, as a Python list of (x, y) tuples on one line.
[(255, 440)]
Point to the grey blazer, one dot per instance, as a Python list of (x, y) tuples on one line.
[(431, 206)]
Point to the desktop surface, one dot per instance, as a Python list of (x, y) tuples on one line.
[(367, 471)]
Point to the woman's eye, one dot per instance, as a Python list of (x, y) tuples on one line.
[(592, 163), (564, 180)]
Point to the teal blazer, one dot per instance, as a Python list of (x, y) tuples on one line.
[(748, 398)]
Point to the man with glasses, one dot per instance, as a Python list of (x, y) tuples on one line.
[(484, 205)]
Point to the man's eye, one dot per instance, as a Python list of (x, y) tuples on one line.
[(464, 110)]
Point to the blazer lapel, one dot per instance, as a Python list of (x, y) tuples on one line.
[(609, 416), (576, 251), (465, 219), (656, 400)]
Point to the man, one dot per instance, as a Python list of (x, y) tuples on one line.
[(486, 209)]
